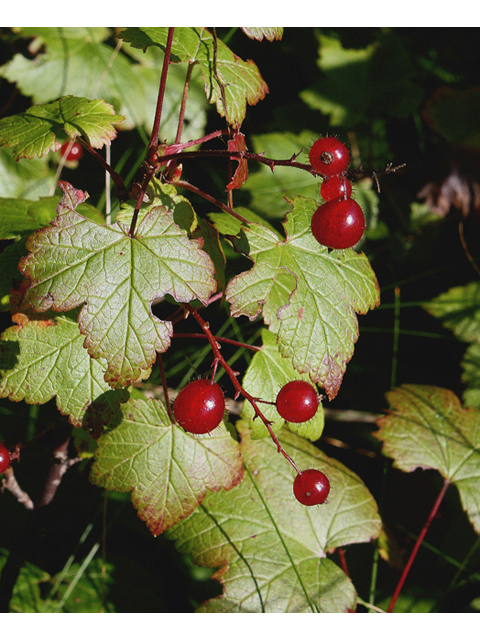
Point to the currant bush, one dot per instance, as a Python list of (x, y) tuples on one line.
[(199, 407), (338, 224), (297, 401), (4, 457), (328, 156), (311, 487)]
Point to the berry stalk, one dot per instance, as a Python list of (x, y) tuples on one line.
[(219, 359)]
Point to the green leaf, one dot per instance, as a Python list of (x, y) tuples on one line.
[(230, 82), (44, 358), (428, 428), (25, 178), (34, 133), (167, 469), (270, 190), (19, 216), (78, 61), (382, 74), (266, 374), (76, 261), (271, 551), (258, 33), (459, 310), (317, 325), (471, 375), (453, 114), (26, 595)]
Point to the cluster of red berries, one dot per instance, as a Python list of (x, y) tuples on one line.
[(200, 406), (339, 223)]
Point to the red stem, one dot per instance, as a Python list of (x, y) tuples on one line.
[(418, 543), (241, 155), (181, 118), (117, 179), (243, 345), (155, 130), (161, 93), (207, 196), (219, 359)]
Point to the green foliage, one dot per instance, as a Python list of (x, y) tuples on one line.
[(180, 247), (317, 322), (270, 558)]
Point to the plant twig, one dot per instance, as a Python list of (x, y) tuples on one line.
[(10, 483), (161, 93), (219, 359), (418, 543), (153, 143), (207, 196)]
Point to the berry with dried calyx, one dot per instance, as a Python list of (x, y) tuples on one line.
[(328, 156)]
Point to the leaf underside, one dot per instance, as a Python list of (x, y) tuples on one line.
[(75, 261), (271, 551), (317, 325)]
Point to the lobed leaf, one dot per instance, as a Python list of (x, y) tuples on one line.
[(459, 310), (44, 358), (34, 133), (428, 428), (317, 327), (258, 33), (168, 470), (76, 261), (230, 82), (271, 551)]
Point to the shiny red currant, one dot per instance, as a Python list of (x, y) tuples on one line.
[(4, 457), (328, 156), (297, 401), (199, 407), (311, 487), (338, 224), (336, 187), (75, 153)]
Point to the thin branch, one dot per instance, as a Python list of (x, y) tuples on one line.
[(242, 345), (10, 483), (219, 359), (161, 93), (207, 196), (418, 543), (120, 187)]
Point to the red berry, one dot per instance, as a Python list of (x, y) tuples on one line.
[(336, 187), (199, 407), (338, 224), (311, 487), (297, 401), (75, 153), (4, 457), (329, 156)]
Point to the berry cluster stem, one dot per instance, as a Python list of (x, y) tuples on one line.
[(219, 359)]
